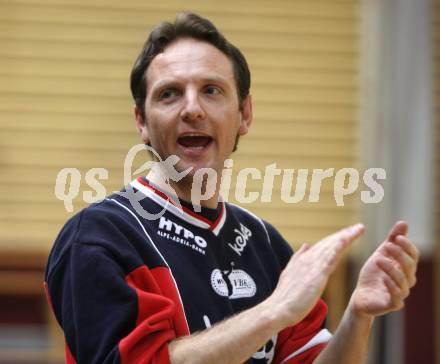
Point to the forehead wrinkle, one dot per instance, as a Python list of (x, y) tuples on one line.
[(183, 62)]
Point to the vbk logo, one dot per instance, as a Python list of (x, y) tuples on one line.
[(235, 283), (241, 239)]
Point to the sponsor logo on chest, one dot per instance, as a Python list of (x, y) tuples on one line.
[(241, 239), (170, 230)]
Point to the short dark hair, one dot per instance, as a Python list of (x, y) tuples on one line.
[(186, 25)]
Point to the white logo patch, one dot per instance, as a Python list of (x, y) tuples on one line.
[(236, 284)]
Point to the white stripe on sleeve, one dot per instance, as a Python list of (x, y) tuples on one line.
[(321, 337)]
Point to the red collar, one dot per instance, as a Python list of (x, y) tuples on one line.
[(184, 213)]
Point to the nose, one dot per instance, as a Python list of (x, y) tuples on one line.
[(192, 110)]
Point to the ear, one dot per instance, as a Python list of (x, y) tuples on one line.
[(141, 125), (246, 116)]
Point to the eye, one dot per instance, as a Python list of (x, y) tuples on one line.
[(168, 94), (212, 90)]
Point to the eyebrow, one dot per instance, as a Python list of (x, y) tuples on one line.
[(171, 82)]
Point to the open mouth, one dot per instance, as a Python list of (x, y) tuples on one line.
[(194, 141)]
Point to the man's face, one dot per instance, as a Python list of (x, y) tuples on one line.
[(191, 106)]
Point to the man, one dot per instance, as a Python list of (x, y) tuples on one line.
[(215, 286)]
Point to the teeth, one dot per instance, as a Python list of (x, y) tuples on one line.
[(195, 135)]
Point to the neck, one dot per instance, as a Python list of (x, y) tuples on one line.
[(186, 191)]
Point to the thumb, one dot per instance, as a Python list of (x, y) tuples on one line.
[(399, 228)]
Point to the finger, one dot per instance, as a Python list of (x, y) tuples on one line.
[(304, 247), (343, 237), (395, 274), (408, 246), (404, 260), (399, 228), (331, 249), (298, 253), (396, 295), (352, 233), (335, 244)]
